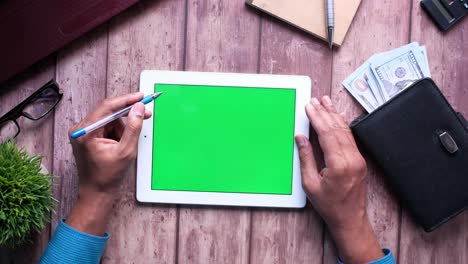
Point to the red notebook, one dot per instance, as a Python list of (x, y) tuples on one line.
[(32, 29)]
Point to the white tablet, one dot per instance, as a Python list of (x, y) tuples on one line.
[(222, 139)]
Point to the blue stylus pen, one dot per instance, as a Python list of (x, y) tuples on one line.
[(106, 120)]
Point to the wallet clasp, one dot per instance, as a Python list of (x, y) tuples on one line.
[(448, 142)]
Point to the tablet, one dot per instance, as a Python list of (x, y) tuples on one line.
[(222, 139)]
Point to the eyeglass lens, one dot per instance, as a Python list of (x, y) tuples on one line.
[(41, 104), (8, 130)]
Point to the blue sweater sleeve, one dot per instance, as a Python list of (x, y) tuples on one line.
[(387, 259), (69, 245)]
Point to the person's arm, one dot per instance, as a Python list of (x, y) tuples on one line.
[(103, 158), (338, 192)]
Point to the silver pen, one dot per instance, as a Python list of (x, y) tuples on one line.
[(106, 120), (330, 21)]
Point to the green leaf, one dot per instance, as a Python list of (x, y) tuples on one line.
[(26, 198)]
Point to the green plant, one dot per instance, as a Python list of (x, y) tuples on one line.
[(26, 199)]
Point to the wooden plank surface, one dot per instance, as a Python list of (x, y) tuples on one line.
[(290, 235), (377, 27), (81, 73), (148, 36), (16, 90), (448, 63), (222, 36), (226, 36)]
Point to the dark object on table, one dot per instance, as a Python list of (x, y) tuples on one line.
[(35, 107), (33, 29), (422, 145), (445, 13)]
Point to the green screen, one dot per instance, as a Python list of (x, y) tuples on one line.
[(223, 139)]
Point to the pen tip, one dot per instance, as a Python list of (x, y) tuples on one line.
[(330, 37)]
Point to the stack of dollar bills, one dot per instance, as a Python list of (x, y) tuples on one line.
[(386, 74)]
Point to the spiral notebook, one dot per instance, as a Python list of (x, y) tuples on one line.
[(310, 15)]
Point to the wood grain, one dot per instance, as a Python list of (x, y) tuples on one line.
[(377, 27), (37, 138), (448, 63), (81, 73), (221, 36), (148, 36), (290, 235)]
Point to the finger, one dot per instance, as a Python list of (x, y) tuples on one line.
[(321, 124), (345, 137), (322, 121), (112, 105), (330, 107), (148, 114), (327, 104), (309, 170), (131, 133)]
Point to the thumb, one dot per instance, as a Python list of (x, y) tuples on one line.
[(309, 171), (132, 130)]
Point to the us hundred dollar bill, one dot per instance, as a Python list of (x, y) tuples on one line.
[(360, 85), (396, 72)]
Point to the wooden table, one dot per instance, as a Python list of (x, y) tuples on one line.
[(226, 36)]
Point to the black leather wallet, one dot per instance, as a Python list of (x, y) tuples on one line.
[(421, 143)]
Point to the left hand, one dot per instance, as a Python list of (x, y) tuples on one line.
[(338, 192)]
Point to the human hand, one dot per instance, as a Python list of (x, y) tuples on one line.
[(338, 192), (103, 158)]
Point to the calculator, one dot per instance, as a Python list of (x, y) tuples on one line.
[(445, 13)]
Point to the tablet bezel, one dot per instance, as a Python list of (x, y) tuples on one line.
[(144, 193)]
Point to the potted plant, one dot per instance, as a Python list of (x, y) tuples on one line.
[(26, 199)]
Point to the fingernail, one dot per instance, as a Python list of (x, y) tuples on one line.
[(139, 110), (301, 141), (327, 100), (138, 95), (314, 101)]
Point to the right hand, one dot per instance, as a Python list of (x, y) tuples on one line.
[(338, 192), (104, 158)]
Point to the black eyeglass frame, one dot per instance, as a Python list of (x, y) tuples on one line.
[(18, 110)]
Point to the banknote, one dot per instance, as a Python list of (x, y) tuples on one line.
[(385, 74), (389, 55), (422, 55), (398, 71), (361, 84), (426, 70), (381, 97)]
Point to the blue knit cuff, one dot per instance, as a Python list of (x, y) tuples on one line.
[(387, 259), (69, 245)]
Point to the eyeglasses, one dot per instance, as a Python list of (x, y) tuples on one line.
[(35, 107)]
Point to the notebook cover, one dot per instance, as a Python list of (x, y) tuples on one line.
[(33, 29), (403, 137), (310, 15)]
